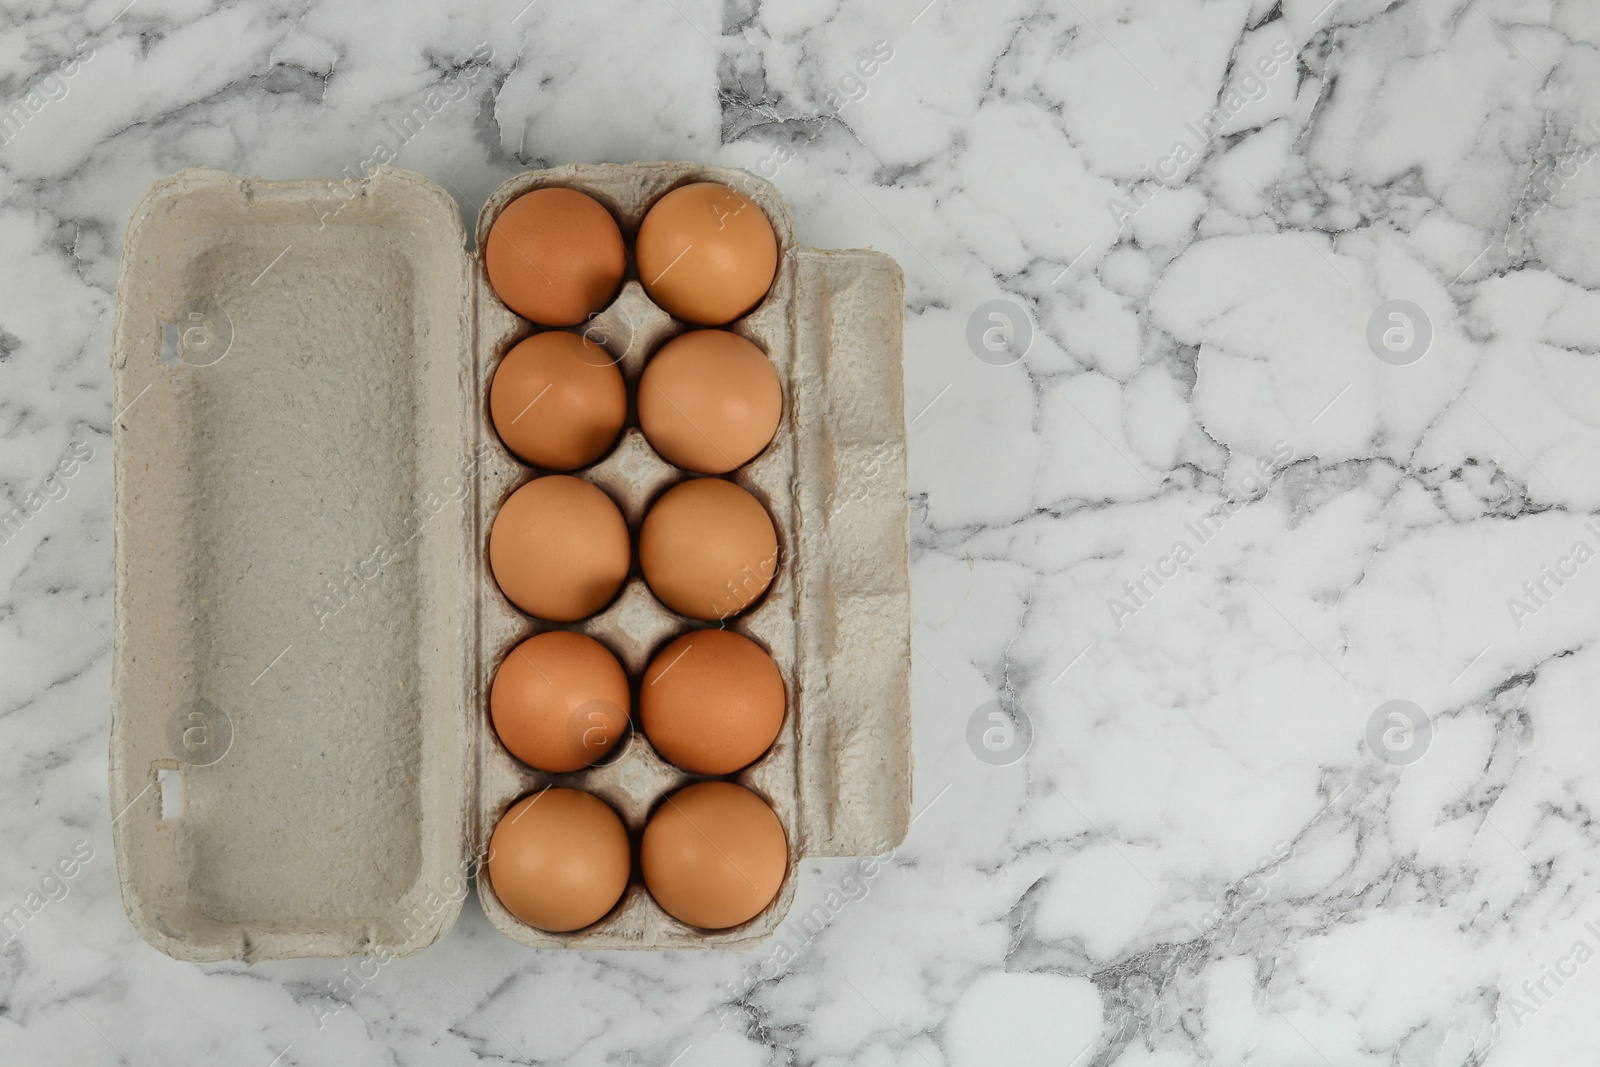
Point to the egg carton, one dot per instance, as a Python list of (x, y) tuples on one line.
[(306, 626)]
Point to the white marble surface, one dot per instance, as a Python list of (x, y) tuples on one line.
[(1201, 860)]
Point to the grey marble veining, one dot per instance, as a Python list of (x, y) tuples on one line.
[(1253, 370)]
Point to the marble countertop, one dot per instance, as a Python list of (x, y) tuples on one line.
[(1253, 381)]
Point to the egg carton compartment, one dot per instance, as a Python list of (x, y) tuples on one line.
[(342, 793), (635, 625)]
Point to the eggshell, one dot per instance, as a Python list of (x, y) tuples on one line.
[(555, 256), (706, 253), (560, 701), (559, 860), (709, 401), (708, 549), (558, 400), (559, 548), (714, 855), (712, 701)]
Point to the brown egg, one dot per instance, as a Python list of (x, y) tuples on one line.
[(712, 701), (558, 401), (560, 701), (708, 549), (714, 855), (559, 860), (555, 256), (706, 253), (559, 548), (709, 401)]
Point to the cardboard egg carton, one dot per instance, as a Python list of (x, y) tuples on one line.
[(302, 762)]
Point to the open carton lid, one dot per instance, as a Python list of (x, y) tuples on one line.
[(295, 716), (289, 359)]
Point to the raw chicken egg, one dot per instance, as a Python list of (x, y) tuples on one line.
[(706, 253), (711, 702), (714, 855), (559, 860), (560, 701), (708, 549), (559, 548), (558, 401), (709, 401), (555, 256)]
